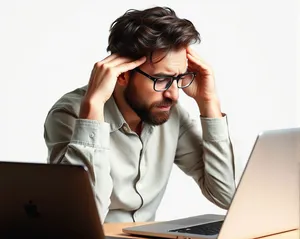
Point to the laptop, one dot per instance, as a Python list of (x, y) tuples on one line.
[(266, 200), (47, 201)]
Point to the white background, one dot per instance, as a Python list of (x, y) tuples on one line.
[(49, 47)]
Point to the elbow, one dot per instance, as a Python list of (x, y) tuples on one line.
[(221, 197), (225, 198)]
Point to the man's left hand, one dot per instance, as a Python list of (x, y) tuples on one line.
[(203, 87)]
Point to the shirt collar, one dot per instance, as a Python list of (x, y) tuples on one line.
[(112, 115)]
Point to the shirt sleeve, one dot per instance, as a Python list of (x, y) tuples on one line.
[(81, 142), (207, 156)]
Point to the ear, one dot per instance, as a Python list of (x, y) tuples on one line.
[(123, 79)]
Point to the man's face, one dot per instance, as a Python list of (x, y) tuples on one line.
[(151, 106)]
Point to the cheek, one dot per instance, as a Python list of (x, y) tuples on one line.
[(145, 93), (145, 85), (145, 90)]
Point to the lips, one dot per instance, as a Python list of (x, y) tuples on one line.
[(164, 107)]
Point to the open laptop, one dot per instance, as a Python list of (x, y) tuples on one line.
[(47, 201), (266, 201)]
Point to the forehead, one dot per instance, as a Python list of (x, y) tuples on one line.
[(173, 62)]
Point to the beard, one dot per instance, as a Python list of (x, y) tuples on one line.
[(148, 114)]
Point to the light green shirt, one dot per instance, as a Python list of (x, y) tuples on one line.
[(130, 173)]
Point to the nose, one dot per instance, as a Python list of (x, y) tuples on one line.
[(172, 92)]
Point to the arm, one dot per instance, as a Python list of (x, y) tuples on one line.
[(85, 142), (77, 134), (208, 157)]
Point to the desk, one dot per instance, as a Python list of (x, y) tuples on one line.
[(115, 229)]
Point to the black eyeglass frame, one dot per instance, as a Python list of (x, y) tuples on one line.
[(177, 78)]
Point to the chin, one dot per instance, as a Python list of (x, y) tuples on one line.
[(159, 119)]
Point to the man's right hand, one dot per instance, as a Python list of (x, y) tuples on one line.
[(102, 83)]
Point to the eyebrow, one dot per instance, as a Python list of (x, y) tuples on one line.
[(163, 74)]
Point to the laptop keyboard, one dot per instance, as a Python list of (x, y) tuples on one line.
[(203, 229)]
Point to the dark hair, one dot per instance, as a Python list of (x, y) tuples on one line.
[(139, 33)]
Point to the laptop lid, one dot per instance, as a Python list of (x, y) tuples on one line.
[(47, 201), (266, 200)]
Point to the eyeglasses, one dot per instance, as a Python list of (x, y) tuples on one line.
[(162, 83)]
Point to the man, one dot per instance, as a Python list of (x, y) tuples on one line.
[(127, 127)]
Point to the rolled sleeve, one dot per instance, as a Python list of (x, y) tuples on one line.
[(215, 129), (90, 133)]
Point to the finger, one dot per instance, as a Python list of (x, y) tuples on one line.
[(109, 58), (130, 65), (118, 65), (192, 52), (196, 62), (196, 57), (113, 64), (99, 64), (118, 61)]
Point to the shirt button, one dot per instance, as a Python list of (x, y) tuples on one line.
[(92, 135), (126, 129)]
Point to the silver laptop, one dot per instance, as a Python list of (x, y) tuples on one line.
[(47, 201), (266, 200)]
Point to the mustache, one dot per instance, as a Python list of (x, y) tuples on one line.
[(165, 103)]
